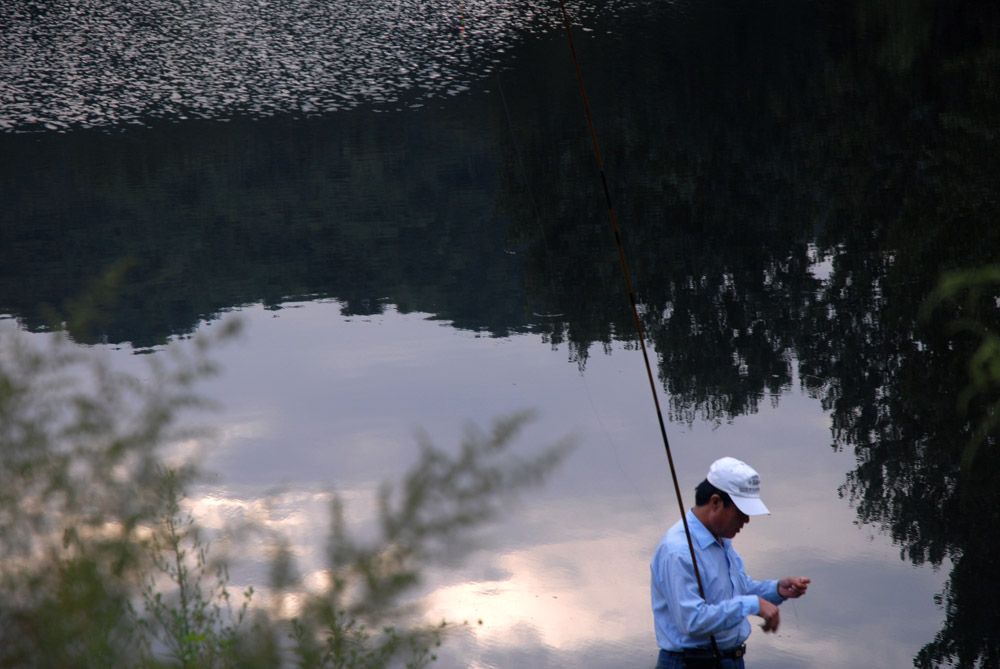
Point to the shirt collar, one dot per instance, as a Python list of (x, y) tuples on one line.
[(699, 533)]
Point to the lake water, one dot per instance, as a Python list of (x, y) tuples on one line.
[(400, 201)]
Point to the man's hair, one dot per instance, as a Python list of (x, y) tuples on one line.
[(703, 494)]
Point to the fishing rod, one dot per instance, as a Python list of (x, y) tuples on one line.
[(635, 309)]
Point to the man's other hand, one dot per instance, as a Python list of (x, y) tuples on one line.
[(769, 612)]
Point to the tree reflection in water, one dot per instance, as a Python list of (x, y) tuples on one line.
[(891, 185)]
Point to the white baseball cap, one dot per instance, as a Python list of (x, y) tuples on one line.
[(742, 483)]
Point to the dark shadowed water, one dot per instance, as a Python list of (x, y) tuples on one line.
[(401, 201)]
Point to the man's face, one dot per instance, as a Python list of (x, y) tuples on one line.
[(729, 520)]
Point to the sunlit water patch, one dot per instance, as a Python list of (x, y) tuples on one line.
[(103, 63)]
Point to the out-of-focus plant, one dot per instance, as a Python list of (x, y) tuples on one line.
[(186, 601), (81, 447), (102, 565), (974, 294), (351, 621)]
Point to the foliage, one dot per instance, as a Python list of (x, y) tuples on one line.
[(103, 565), (964, 307), (80, 449), (193, 620), (426, 520), (977, 294)]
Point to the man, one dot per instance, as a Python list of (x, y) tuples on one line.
[(685, 622)]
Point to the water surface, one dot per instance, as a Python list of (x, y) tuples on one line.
[(401, 199)]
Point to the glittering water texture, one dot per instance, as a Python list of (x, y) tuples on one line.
[(103, 63)]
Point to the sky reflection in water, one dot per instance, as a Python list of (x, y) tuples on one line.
[(317, 401)]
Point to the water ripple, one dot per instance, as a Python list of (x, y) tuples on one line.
[(105, 63)]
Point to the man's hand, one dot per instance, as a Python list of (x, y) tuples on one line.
[(793, 586), (769, 612)]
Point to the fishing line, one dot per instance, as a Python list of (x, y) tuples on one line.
[(614, 449), (631, 296), (524, 174), (548, 261)]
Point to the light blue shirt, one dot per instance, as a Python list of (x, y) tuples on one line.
[(681, 617)]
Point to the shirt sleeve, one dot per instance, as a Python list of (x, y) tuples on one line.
[(692, 615), (765, 589)]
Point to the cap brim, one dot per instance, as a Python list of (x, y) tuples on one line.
[(752, 506)]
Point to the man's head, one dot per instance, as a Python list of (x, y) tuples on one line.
[(728, 496), (741, 482)]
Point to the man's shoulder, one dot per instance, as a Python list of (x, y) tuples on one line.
[(672, 549), (675, 538)]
